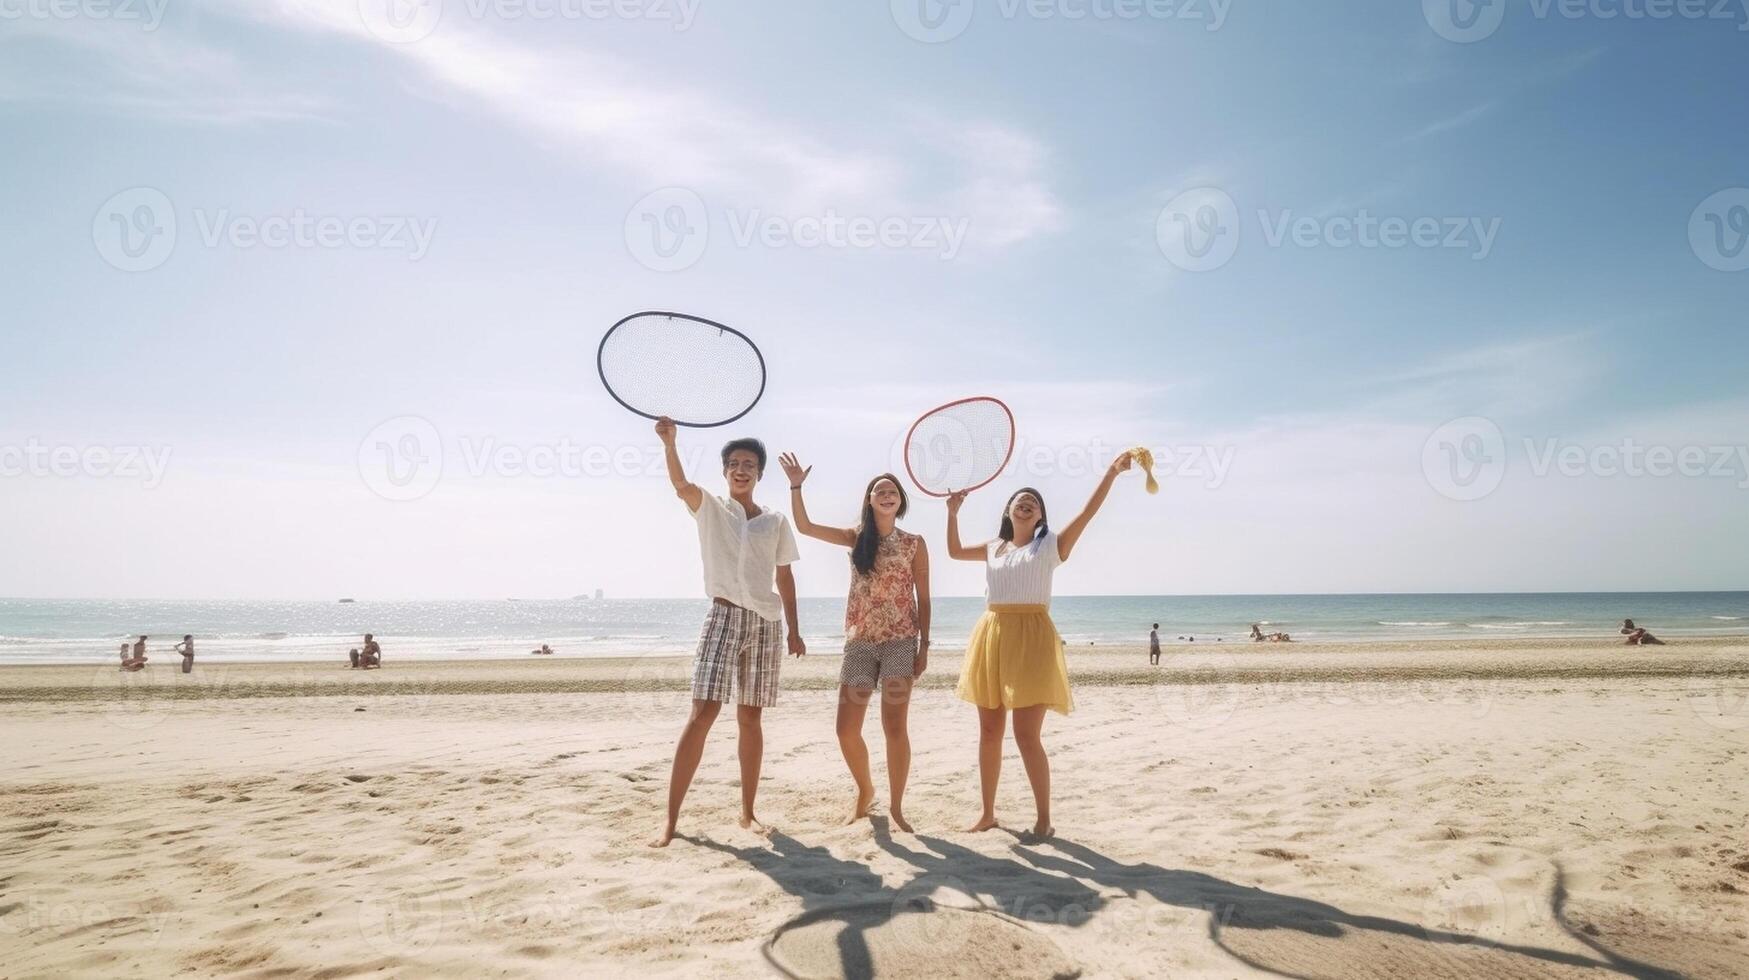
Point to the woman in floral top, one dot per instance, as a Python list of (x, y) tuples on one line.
[(886, 628)]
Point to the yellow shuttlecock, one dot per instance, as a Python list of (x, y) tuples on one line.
[(1145, 458)]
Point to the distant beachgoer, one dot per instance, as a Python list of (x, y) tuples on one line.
[(186, 648), (371, 655), (544, 651), (1637, 635), (1258, 636), (1154, 645), (138, 658)]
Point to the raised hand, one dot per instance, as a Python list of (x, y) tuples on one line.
[(954, 500), (792, 468), (665, 430)]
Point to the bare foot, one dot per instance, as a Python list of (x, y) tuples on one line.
[(864, 800), (750, 822), (662, 841), (984, 823), (900, 822), (1042, 831)]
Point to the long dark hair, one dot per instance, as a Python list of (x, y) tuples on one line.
[(868, 537), (1044, 525)]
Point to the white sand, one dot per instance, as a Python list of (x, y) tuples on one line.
[(1460, 820)]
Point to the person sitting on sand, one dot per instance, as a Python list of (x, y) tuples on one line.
[(129, 662), (186, 648), (745, 550), (1637, 635), (1258, 636), (371, 655), (544, 651), (352, 655)]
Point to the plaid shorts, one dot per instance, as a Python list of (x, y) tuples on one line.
[(737, 649), (867, 663)]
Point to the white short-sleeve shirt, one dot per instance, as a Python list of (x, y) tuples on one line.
[(741, 554), (1021, 576)]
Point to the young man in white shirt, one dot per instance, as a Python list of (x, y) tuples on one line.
[(745, 548)]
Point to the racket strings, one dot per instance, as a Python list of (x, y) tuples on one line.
[(693, 372), (960, 446)]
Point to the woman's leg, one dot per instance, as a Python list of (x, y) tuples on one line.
[(992, 722), (1029, 725), (852, 708), (895, 715)]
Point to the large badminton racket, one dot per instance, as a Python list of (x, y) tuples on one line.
[(695, 371), (962, 445)]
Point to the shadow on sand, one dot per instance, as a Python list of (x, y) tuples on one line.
[(872, 926)]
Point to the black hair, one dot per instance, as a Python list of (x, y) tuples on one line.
[(1007, 531), (749, 444), (1156, 625), (868, 537)]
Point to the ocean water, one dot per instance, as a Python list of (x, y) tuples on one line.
[(89, 631)]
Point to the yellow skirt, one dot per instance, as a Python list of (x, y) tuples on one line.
[(1015, 660)]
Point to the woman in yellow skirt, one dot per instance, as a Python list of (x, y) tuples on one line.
[(1014, 660)]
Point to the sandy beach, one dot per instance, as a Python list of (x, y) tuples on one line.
[(1440, 809)]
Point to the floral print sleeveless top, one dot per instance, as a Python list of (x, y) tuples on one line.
[(883, 603)]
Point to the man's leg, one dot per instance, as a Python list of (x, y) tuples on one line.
[(686, 758), (710, 689), (760, 656), (751, 748)]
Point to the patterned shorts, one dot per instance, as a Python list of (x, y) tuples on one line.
[(866, 663), (737, 650)]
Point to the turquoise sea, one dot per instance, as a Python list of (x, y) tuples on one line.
[(88, 631)]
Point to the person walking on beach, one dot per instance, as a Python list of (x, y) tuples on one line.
[(186, 648), (745, 548), (1014, 660), (1154, 645), (886, 629)]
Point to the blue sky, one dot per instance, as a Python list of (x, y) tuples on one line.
[(1584, 144)]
